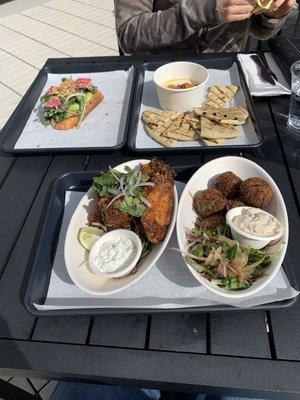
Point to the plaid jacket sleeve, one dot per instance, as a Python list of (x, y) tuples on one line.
[(264, 28), (141, 30)]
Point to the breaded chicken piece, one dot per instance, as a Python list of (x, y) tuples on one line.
[(157, 218), (112, 217), (158, 171)]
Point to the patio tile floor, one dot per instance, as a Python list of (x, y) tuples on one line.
[(69, 28)]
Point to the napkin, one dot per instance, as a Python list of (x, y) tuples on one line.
[(257, 85)]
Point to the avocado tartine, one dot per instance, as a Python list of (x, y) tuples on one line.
[(65, 106)]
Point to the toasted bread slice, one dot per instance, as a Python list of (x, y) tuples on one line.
[(71, 122)]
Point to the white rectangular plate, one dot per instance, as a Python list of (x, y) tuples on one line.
[(103, 127), (231, 76)]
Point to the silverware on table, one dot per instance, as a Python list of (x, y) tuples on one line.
[(264, 58), (263, 69)]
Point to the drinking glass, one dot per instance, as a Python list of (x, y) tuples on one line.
[(294, 113)]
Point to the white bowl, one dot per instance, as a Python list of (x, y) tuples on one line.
[(76, 258), (118, 233), (254, 241), (205, 177), (181, 99)]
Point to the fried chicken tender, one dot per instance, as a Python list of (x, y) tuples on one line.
[(158, 171), (157, 218), (112, 217)]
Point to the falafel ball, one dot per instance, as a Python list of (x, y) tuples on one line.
[(228, 183), (256, 192), (232, 203), (211, 222), (208, 202)]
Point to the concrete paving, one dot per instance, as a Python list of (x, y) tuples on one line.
[(33, 30)]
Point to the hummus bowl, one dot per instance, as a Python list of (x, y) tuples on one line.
[(181, 99)]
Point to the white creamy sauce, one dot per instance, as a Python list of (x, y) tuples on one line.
[(257, 222), (114, 254)]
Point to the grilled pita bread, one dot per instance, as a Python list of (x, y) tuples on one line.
[(181, 129), (215, 142), (213, 130), (155, 133), (157, 122), (155, 116), (219, 96), (230, 116)]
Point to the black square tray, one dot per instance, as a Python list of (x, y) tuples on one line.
[(216, 61), (36, 280), (15, 125)]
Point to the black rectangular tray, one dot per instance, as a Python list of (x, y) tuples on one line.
[(15, 125), (216, 61), (35, 285)]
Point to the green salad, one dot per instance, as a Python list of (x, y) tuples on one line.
[(128, 185), (224, 261), (68, 99)]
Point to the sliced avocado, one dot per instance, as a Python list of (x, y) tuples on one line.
[(73, 108), (88, 96)]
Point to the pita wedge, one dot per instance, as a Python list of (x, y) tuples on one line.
[(219, 96), (154, 132), (181, 129), (157, 122), (155, 116), (215, 142), (195, 123), (229, 116), (213, 130)]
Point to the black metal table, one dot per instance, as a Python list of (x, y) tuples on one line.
[(244, 353)]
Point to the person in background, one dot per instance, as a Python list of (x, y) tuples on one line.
[(148, 26)]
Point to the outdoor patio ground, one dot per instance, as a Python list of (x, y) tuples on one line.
[(32, 31), (30, 35)]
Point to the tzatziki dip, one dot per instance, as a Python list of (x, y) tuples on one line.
[(257, 222), (114, 255)]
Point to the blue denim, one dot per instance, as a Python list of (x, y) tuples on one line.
[(86, 391)]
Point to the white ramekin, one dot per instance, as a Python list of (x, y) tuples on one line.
[(254, 241), (181, 99)]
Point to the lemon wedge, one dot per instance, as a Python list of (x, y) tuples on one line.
[(88, 235)]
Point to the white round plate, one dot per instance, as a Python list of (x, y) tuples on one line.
[(76, 257), (204, 178)]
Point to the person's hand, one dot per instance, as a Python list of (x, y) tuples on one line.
[(283, 7), (235, 10)]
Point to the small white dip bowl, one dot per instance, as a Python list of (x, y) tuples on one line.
[(181, 99), (124, 269), (244, 238)]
